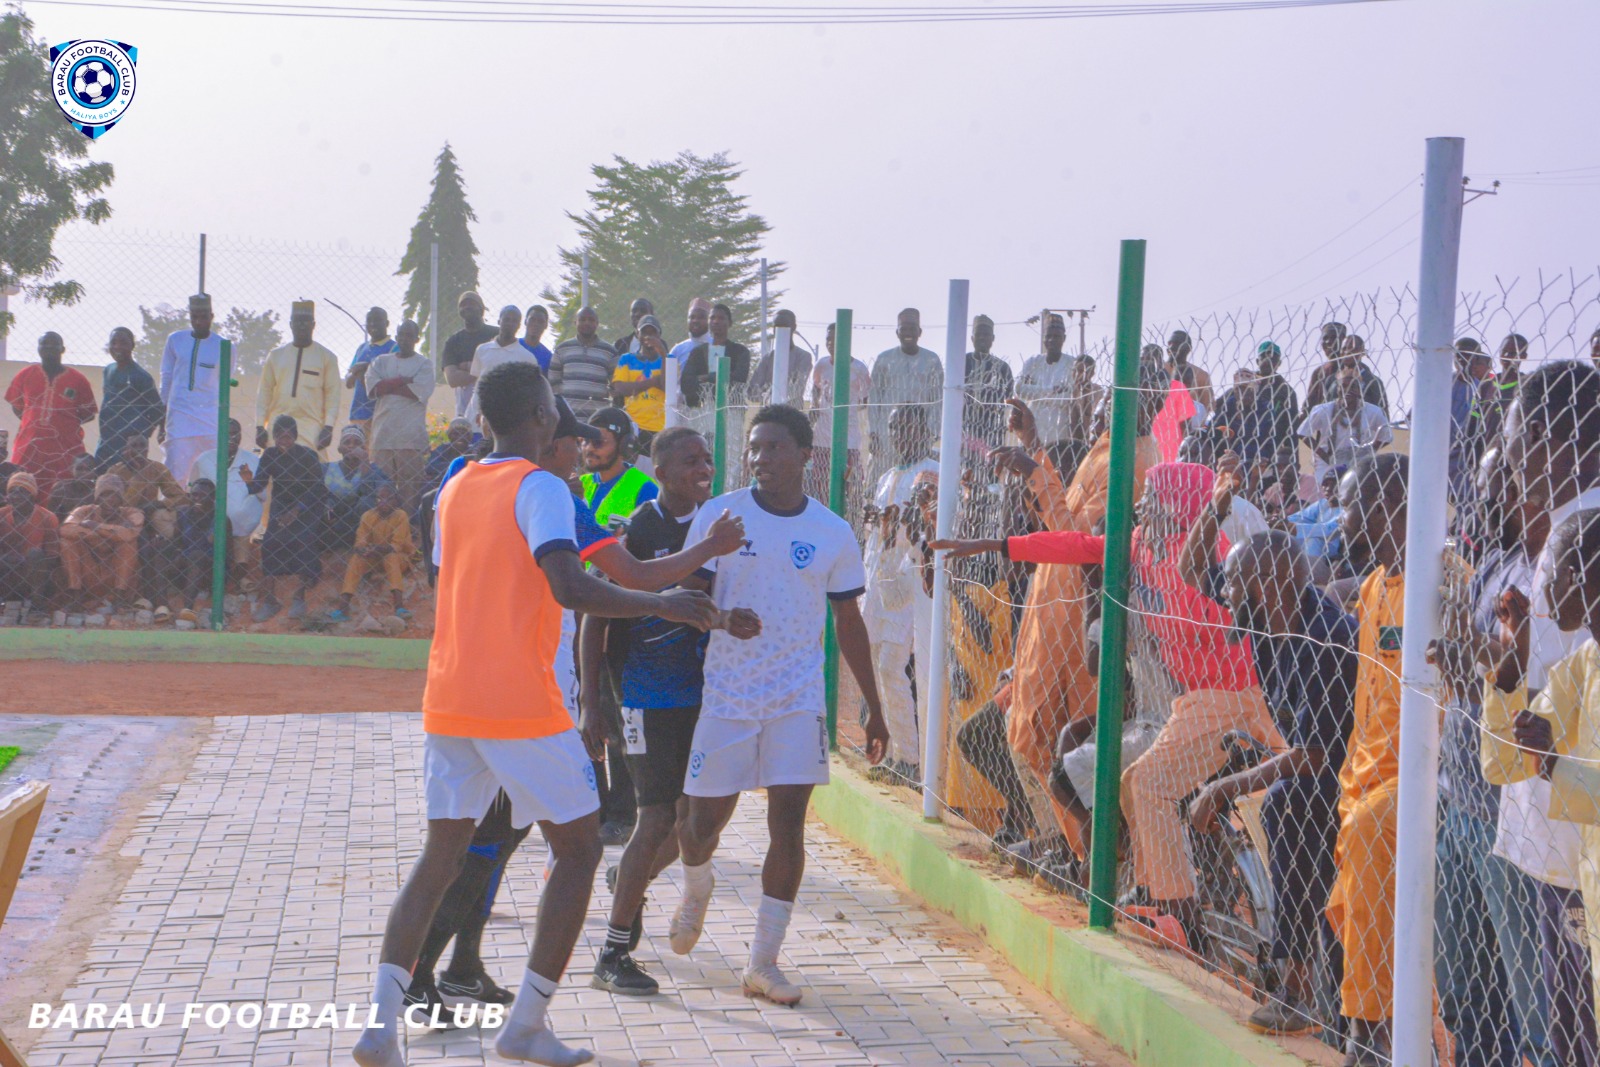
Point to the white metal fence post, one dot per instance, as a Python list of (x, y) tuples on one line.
[(781, 340), (934, 677), (583, 282), (1425, 536), (761, 341), (434, 348)]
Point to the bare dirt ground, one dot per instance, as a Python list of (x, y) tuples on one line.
[(53, 687)]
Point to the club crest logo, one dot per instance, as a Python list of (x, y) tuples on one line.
[(588, 776), (802, 554), (697, 763), (93, 83)]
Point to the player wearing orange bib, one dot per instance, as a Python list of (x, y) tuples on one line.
[(492, 710)]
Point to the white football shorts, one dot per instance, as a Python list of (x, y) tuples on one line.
[(549, 779), (728, 756)]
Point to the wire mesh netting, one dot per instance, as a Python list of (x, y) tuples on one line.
[(1259, 763)]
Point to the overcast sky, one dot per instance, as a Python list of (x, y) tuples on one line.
[(890, 159)]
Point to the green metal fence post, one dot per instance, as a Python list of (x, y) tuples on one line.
[(837, 457), (219, 524), (719, 446), (1114, 595)]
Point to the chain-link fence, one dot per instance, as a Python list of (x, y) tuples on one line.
[(120, 449), (1260, 745)]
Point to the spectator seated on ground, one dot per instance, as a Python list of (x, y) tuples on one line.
[(72, 493), (185, 562), (30, 543), (100, 546), (148, 484), (291, 542), (352, 482), (383, 542), (7, 468)]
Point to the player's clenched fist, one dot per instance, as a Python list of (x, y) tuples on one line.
[(689, 606), (727, 533), (741, 623)]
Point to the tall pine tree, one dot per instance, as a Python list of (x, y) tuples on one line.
[(443, 220), (669, 231)]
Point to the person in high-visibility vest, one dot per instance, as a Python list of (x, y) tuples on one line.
[(612, 486)]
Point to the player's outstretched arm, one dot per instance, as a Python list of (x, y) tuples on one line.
[(582, 592), (856, 648), (653, 575)]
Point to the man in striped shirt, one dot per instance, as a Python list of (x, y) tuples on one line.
[(581, 367)]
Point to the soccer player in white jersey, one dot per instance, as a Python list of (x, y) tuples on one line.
[(762, 723)]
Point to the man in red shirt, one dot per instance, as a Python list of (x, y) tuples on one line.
[(30, 542), (1196, 641), (53, 401)]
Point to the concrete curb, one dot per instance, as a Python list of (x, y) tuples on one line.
[(1152, 1016), (201, 646)]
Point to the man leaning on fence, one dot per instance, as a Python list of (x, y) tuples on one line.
[(190, 363)]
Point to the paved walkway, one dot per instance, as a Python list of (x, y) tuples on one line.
[(267, 875)]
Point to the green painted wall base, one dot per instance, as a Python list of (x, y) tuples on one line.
[(1152, 1016), (201, 646)]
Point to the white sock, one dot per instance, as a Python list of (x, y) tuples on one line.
[(389, 993), (379, 1046), (698, 881), (772, 922), (533, 1000)]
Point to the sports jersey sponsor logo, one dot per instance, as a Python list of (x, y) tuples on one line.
[(749, 548), (697, 763), (802, 554)]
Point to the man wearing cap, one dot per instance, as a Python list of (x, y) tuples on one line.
[(301, 380), (30, 542), (637, 311), (377, 343), (1278, 394), (1046, 384), (190, 363), (581, 367), (130, 400), (53, 401), (989, 385), (100, 544), (637, 382), (504, 347), (402, 382), (456, 361)]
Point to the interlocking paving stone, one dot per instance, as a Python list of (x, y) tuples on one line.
[(268, 874)]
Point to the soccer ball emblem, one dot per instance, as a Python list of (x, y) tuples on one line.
[(93, 83)]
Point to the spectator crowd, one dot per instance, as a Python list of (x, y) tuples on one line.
[(1267, 597)]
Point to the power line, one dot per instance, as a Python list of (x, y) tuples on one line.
[(517, 12)]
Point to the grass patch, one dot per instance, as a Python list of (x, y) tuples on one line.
[(7, 754)]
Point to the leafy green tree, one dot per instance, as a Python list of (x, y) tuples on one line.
[(254, 335), (44, 183), (669, 231), (443, 220)]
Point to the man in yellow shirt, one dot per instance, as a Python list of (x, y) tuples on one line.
[(1557, 738), (638, 381), (300, 379), (1361, 907), (382, 540)]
